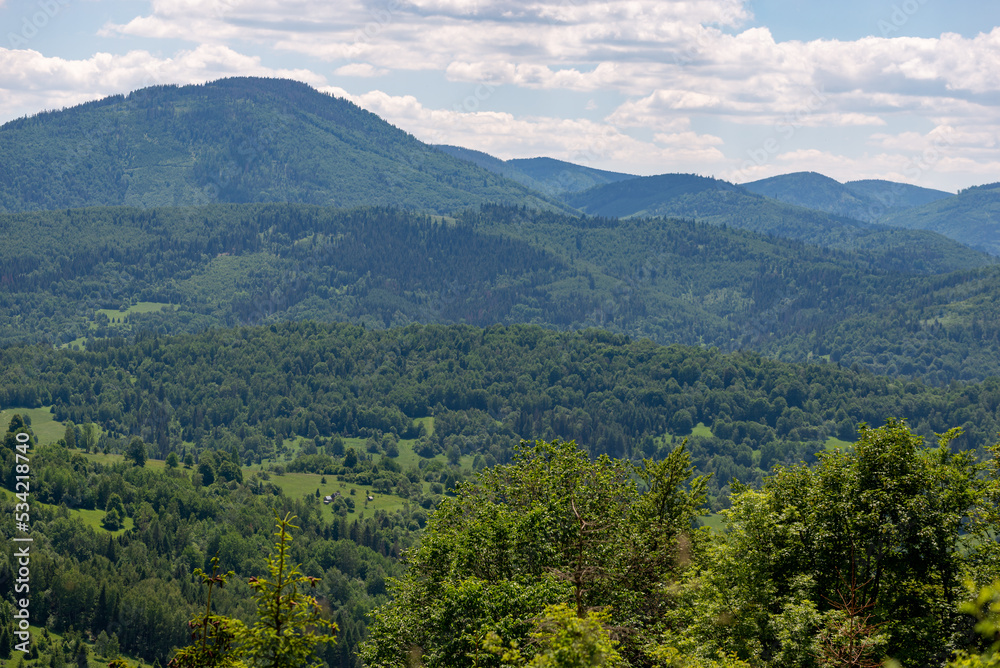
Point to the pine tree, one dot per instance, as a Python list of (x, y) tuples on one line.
[(288, 628)]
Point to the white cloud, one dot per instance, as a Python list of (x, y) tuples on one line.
[(576, 140), (30, 81), (663, 55), (360, 70), (670, 61)]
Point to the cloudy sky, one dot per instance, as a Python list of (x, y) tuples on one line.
[(907, 90)]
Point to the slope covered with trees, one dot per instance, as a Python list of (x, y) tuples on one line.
[(721, 203), (849, 563), (869, 200), (87, 274), (233, 140), (247, 391), (970, 217)]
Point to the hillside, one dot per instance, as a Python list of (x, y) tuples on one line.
[(815, 191), (185, 269), (896, 196), (721, 203), (868, 201), (485, 388), (244, 423), (555, 178), (971, 217), (232, 140)]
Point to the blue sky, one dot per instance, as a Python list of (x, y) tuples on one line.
[(906, 90)]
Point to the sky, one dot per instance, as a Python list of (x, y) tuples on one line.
[(904, 90)]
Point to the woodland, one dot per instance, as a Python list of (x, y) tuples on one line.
[(298, 389)]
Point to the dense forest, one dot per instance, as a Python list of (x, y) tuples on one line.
[(132, 591), (248, 390), (914, 311), (243, 139), (255, 340), (855, 558)]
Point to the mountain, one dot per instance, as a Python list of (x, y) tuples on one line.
[(814, 191), (75, 276), (645, 195), (560, 177), (896, 196), (972, 217), (233, 140), (722, 203), (861, 200), (555, 178)]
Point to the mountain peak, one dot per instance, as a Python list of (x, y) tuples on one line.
[(240, 139)]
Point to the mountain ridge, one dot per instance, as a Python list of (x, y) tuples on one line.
[(233, 140)]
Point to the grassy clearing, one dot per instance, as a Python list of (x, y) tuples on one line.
[(298, 485), (716, 522), (91, 518), (118, 316), (46, 428), (93, 660), (407, 458), (109, 459), (834, 443), (79, 343), (428, 423), (701, 430)]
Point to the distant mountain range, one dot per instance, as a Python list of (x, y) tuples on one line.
[(244, 140), (971, 217), (552, 177), (870, 201), (257, 200), (806, 206)]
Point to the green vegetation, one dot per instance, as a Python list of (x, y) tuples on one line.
[(666, 280), (291, 343), (554, 178), (854, 561), (131, 590), (317, 392), (720, 203), (288, 627), (869, 201), (970, 217), (234, 140)]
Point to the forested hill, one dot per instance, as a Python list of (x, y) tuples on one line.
[(556, 178), (73, 276), (233, 140), (250, 389), (722, 203), (869, 200), (971, 217)]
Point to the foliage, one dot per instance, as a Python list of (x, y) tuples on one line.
[(722, 203), (241, 139), (287, 628), (214, 634), (563, 640), (289, 624), (486, 388), (889, 308), (551, 528), (136, 451), (985, 607), (871, 538)]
